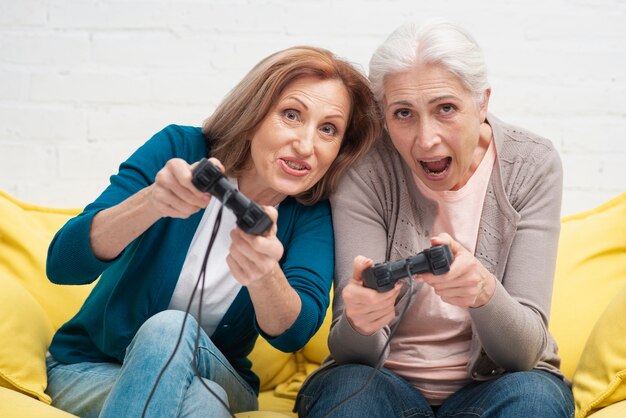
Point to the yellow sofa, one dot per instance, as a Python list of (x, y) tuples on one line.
[(588, 311)]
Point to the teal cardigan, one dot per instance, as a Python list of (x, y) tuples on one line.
[(141, 280)]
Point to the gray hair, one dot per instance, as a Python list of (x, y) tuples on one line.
[(437, 42)]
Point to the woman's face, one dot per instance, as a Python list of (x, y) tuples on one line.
[(435, 124), (298, 140)]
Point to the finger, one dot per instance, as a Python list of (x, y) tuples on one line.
[(257, 245), (172, 206), (217, 163), (239, 273), (443, 239), (360, 263), (176, 177), (273, 215), (182, 173)]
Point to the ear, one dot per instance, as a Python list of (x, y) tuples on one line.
[(484, 106)]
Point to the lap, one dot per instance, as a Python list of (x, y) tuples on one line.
[(88, 389), (359, 390), (81, 388), (518, 394)]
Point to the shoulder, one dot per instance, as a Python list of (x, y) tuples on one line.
[(381, 165), (526, 159), (295, 212), (379, 175), (187, 142), (517, 145)]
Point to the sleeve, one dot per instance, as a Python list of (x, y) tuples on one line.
[(360, 229), (518, 313), (70, 257), (308, 266)]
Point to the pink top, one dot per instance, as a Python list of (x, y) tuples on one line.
[(431, 347)]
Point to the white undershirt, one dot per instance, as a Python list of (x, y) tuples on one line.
[(220, 287)]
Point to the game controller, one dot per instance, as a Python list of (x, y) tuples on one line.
[(251, 218), (383, 276)]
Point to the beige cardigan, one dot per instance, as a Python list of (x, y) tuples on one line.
[(378, 212)]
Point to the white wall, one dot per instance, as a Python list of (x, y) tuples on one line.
[(85, 82)]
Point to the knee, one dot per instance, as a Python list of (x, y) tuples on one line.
[(341, 381), (163, 329), (541, 391), (361, 390)]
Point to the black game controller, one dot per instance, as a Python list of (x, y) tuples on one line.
[(383, 276), (251, 218)]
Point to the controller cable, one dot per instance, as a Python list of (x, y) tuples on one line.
[(380, 360), (200, 280)]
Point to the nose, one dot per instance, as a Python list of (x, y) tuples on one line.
[(427, 134), (305, 141)]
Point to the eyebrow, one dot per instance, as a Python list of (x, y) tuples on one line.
[(331, 116), (400, 103), (431, 101), (443, 98)]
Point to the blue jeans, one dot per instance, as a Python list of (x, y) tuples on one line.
[(513, 395), (113, 390)]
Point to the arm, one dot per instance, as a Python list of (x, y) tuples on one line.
[(253, 260), (85, 246), (360, 229), (517, 313), (172, 194), (290, 304)]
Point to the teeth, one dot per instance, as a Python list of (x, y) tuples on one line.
[(294, 165)]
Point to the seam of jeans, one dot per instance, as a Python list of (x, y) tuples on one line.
[(66, 368), (230, 369)]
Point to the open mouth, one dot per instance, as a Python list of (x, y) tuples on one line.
[(294, 165), (436, 168)]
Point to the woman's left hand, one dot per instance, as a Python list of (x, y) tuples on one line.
[(467, 284), (255, 257)]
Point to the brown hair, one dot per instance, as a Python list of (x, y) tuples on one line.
[(244, 108)]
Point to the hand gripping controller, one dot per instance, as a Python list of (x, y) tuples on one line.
[(251, 218), (383, 276)]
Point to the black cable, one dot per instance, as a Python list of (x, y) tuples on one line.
[(380, 361), (201, 278)]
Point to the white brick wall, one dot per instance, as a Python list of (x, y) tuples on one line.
[(85, 82)]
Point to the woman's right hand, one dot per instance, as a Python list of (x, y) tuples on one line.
[(173, 194), (366, 309)]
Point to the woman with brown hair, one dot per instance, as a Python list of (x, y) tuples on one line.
[(282, 136)]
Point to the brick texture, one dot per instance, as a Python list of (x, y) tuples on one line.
[(85, 82)]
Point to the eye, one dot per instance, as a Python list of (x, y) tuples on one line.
[(402, 114), (329, 129), (291, 114), (446, 109)]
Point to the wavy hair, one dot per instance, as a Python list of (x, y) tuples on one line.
[(230, 127)]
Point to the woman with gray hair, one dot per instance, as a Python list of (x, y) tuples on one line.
[(473, 341)]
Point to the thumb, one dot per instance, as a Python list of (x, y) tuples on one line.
[(273, 215), (217, 163), (443, 239), (360, 263)]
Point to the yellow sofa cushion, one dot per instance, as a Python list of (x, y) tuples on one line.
[(617, 410), (600, 378), (26, 232), (590, 271), (32, 308), (25, 332), (271, 365), (16, 405)]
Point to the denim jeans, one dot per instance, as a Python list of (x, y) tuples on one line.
[(113, 390), (534, 393)]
